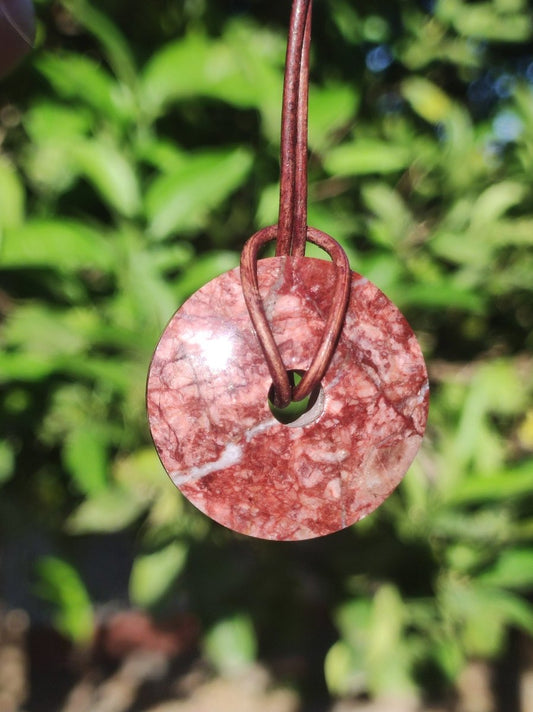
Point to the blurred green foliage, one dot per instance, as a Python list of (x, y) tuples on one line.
[(139, 149)]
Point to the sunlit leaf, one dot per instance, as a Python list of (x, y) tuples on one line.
[(54, 244), (501, 485), (61, 585), (194, 66), (366, 156), (24, 367), (353, 620), (388, 655), (330, 109), (242, 69), (439, 295), (428, 100), (110, 510), (86, 458), (12, 197), (141, 471), (76, 76), (48, 121), (513, 569), (482, 20), (111, 173), (391, 210), (231, 644), (153, 574), (114, 43), (7, 461), (204, 269), (182, 200), (39, 330), (344, 671), (494, 202), (484, 613)]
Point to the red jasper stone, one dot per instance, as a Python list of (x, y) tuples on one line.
[(216, 435)]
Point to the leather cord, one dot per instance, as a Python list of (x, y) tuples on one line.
[(292, 221), (291, 233)]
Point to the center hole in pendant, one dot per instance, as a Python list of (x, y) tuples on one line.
[(298, 413)]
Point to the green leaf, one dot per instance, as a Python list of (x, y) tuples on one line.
[(330, 108), (497, 486), (391, 210), (504, 233), (109, 510), (495, 388), (141, 471), (231, 644), (169, 257), (388, 617), (438, 295), (268, 207), (110, 373), (12, 197), (388, 656), (85, 457), (366, 156), (7, 461), (241, 69), (429, 102), (60, 584), (481, 20), (76, 76), (449, 655), (116, 48), (49, 332), (47, 122), (344, 671), (513, 569), (153, 574), (502, 385), (517, 611), (193, 66), (258, 55), (483, 527), (348, 21), (494, 202), (183, 199), (24, 367), (110, 172), (353, 620), (202, 270), (454, 247), (145, 297), (55, 244), (484, 614), (163, 155)]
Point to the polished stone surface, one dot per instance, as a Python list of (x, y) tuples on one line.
[(214, 431)]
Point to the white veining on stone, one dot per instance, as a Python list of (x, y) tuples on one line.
[(231, 455)]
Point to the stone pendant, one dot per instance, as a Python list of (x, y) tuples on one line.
[(218, 439)]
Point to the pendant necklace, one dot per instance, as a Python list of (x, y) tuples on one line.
[(280, 330)]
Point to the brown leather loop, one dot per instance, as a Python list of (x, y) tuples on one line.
[(284, 392)]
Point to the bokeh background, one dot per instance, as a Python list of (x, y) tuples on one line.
[(138, 151)]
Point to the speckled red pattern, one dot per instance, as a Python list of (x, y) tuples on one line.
[(221, 445)]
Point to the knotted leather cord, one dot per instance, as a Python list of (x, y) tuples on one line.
[(284, 392), (292, 231)]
